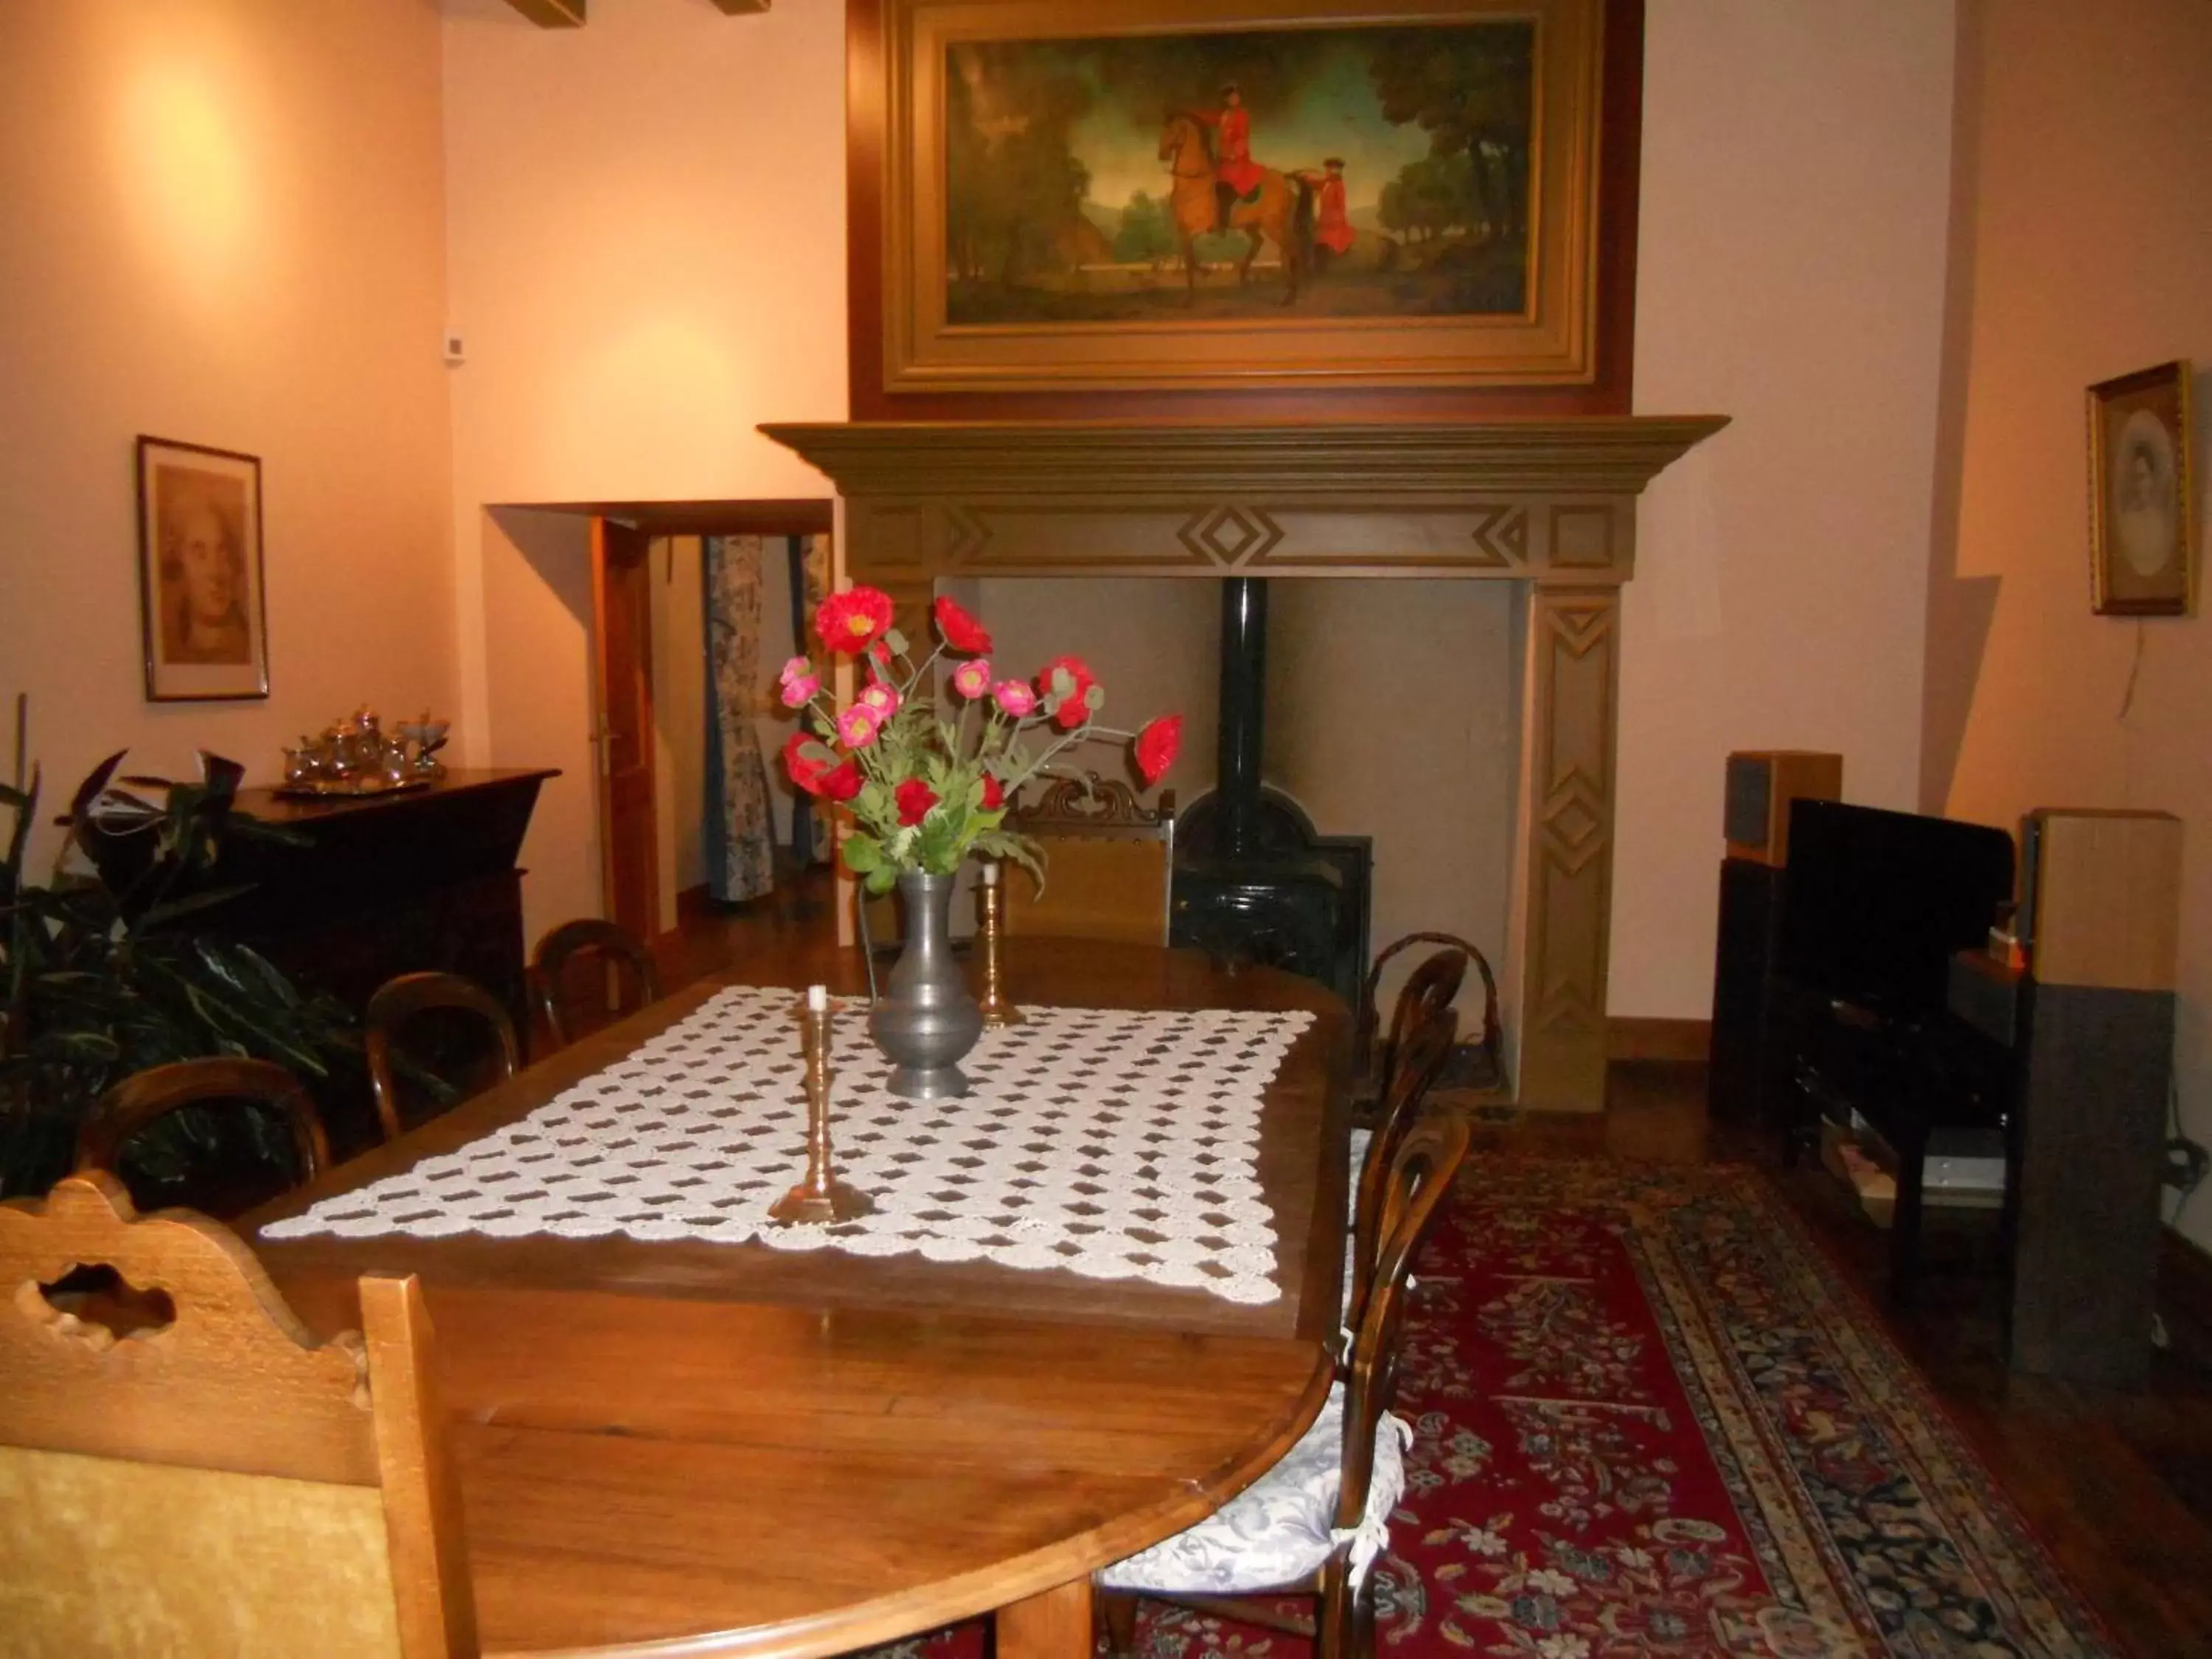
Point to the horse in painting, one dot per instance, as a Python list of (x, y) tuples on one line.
[(1281, 213)]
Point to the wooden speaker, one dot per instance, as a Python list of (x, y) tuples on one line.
[(2093, 1055), (1762, 784), (2100, 897)]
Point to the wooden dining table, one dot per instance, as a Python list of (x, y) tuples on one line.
[(695, 1448)]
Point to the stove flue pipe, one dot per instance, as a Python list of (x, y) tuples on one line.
[(1243, 701)]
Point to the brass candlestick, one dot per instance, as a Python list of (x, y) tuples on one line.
[(821, 1198), (997, 1011)]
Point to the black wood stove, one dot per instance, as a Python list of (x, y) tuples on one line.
[(1253, 880)]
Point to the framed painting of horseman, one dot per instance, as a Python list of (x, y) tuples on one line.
[(1143, 196)]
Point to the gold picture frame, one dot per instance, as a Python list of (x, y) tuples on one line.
[(202, 605), (1112, 325), (2142, 525)]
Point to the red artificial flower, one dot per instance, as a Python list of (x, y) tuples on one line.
[(842, 782), (849, 622), (961, 632), (808, 762), (1072, 710), (994, 797), (1157, 744), (914, 799)]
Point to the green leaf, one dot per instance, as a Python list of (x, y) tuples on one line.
[(880, 880), (161, 915), (863, 854), (1095, 698), (896, 640)]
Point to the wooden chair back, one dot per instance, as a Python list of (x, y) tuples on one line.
[(609, 948), (217, 1482), (1373, 1062), (144, 1096), (396, 1004), (1109, 862), (1417, 1179), (1426, 1050)]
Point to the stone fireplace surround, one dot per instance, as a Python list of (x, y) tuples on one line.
[(1550, 505)]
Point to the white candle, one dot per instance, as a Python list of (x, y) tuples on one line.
[(818, 999), (990, 876)]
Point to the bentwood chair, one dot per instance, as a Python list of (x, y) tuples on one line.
[(605, 948), (401, 1070), (219, 1184), (1314, 1524), (1373, 1060), (1109, 862), (188, 1472), (1428, 1048)]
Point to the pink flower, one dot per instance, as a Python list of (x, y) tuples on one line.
[(1015, 696), (972, 679), (856, 726), (881, 696), (800, 683)]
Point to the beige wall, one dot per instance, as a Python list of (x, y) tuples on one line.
[(224, 225), (646, 223), (1790, 274), (538, 581), (2085, 252)]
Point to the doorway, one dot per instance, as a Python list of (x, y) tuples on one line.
[(659, 725)]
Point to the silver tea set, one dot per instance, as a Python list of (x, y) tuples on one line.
[(354, 755)]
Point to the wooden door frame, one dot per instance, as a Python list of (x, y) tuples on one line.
[(605, 693)]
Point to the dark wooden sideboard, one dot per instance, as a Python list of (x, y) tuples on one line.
[(389, 885)]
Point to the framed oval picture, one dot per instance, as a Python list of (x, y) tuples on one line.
[(199, 573), (2142, 537)]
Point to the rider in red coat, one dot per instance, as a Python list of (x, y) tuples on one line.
[(1234, 173)]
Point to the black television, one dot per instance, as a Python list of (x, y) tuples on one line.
[(1873, 903)]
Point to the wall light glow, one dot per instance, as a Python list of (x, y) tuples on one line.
[(183, 174)]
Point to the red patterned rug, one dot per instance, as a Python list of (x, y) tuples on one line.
[(1649, 1419)]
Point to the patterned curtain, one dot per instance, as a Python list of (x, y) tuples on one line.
[(810, 585), (741, 838)]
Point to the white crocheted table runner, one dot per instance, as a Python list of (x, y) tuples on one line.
[(1114, 1144)]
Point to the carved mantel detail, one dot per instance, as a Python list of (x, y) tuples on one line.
[(1551, 504)]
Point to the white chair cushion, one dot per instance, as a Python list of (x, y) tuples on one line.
[(1283, 1526), (1360, 1137)]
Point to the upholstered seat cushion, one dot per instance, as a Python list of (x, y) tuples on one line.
[(1282, 1528), (1360, 1140)]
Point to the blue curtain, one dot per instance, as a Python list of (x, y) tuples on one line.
[(740, 835)]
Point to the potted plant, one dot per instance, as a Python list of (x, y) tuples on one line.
[(100, 979), (926, 788)]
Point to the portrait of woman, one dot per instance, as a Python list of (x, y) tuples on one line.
[(200, 544), (2144, 559)]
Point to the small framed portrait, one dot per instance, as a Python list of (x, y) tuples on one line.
[(2143, 533), (199, 573)]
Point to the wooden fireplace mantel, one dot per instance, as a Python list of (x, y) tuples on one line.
[(1551, 504)]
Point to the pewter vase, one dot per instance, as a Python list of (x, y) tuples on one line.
[(926, 1019)]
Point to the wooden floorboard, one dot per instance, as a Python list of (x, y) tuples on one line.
[(2119, 1486)]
